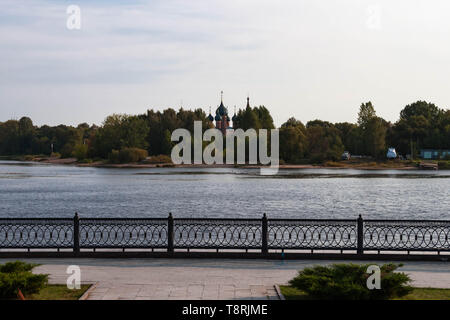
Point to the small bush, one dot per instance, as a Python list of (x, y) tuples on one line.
[(17, 275), (87, 160), (162, 158), (132, 155), (16, 266), (333, 164), (127, 155), (80, 152), (348, 282), (113, 157), (317, 158), (28, 157), (444, 165)]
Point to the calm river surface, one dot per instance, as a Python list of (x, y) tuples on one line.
[(43, 190)]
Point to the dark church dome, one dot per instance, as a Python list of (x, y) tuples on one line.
[(210, 118), (222, 110)]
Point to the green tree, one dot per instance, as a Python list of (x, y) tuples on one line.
[(80, 151), (372, 130), (365, 114), (248, 119), (375, 137), (421, 125), (264, 117), (293, 141), (26, 135), (121, 131), (351, 137), (324, 142), (9, 137), (166, 143)]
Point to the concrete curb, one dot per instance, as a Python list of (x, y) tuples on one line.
[(226, 255), (85, 295), (280, 295)]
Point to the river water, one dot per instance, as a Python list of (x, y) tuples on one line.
[(44, 190)]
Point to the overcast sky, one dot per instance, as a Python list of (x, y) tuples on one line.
[(308, 59)]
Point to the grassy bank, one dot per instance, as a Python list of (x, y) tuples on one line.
[(59, 292), (291, 293)]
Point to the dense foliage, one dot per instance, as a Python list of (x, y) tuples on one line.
[(349, 282), (15, 276), (127, 155), (421, 125)]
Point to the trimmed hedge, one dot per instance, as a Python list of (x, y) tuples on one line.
[(349, 282)]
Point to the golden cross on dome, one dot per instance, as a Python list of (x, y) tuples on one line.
[(221, 96)]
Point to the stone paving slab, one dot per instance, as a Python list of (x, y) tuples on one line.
[(204, 278)]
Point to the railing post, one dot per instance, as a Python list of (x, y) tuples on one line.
[(264, 247), (360, 248), (76, 233), (170, 233)]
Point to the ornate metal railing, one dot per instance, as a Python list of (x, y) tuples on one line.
[(123, 233), (258, 234), (36, 233), (407, 235), (312, 234), (217, 233)]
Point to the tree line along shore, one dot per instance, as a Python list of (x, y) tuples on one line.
[(124, 139)]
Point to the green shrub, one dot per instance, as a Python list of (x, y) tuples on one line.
[(162, 158), (28, 157), (17, 275), (127, 155), (348, 282), (86, 160), (332, 164), (444, 165), (113, 157), (80, 151), (16, 266)]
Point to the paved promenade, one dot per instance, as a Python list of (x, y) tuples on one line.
[(204, 278)]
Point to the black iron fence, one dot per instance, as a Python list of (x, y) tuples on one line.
[(261, 235)]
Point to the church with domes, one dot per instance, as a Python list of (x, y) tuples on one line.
[(222, 118)]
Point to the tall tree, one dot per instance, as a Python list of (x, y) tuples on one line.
[(421, 125), (293, 141), (324, 142), (366, 113), (375, 137)]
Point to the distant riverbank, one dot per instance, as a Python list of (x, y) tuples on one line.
[(345, 164)]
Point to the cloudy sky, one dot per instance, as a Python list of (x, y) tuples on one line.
[(305, 58)]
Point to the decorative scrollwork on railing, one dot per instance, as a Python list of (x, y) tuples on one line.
[(123, 233), (262, 234), (216, 233), (407, 235), (36, 233), (312, 234)]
